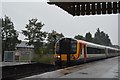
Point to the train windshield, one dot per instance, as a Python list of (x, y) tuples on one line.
[(66, 45)]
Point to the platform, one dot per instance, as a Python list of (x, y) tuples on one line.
[(107, 68), (12, 63)]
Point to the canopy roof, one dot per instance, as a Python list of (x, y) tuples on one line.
[(84, 0), (93, 7)]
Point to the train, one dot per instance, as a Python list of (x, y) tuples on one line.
[(72, 51)]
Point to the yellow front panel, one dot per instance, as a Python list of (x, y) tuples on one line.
[(63, 57)]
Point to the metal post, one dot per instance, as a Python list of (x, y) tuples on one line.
[(54, 36), (30, 57), (14, 56)]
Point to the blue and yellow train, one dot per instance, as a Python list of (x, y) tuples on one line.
[(69, 50)]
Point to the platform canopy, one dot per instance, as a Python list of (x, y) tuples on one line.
[(88, 7)]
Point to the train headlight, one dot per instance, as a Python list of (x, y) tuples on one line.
[(58, 56)]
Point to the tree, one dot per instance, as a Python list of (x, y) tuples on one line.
[(102, 38), (9, 35), (34, 35), (79, 37), (97, 37), (88, 37), (52, 38), (107, 40)]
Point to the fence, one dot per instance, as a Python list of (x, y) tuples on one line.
[(10, 56)]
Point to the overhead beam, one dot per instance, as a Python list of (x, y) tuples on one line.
[(89, 8), (84, 0)]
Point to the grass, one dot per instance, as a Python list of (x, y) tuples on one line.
[(46, 58)]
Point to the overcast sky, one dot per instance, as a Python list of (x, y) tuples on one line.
[(57, 19)]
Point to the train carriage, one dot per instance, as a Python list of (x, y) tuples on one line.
[(69, 50)]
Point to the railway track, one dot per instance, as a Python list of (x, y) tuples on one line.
[(13, 72), (20, 71)]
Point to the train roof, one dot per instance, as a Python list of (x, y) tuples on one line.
[(89, 44)]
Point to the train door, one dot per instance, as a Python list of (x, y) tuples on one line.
[(79, 50), (106, 52), (83, 51)]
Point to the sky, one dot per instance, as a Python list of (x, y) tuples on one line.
[(59, 20)]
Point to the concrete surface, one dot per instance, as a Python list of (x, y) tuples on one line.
[(107, 68), (12, 63), (102, 69)]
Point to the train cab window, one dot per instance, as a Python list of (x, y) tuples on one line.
[(63, 46), (66, 46)]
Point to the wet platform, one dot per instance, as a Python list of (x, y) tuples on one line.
[(107, 68)]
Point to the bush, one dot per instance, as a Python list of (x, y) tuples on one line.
[(48, 58)]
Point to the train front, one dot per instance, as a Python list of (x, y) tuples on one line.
[(65, 51)]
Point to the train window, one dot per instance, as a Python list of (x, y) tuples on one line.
[(91, 50), (111, 51), (73, 47)]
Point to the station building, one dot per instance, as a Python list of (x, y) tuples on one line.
[(22, 53)]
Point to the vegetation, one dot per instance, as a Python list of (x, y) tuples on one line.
[(36, 37), (52, 38), (79, 37), (34, 34), (88, 37), (9, 35), (100, 37), (47, 58)]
